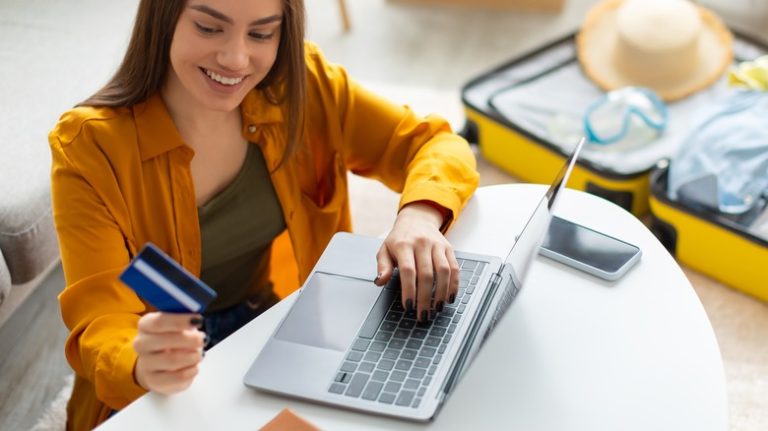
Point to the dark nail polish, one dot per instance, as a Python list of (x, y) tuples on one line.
[(203, 354), (376, 280), (206, 340), (452, 299), (439, 306), (196, 321), (409, 305), (424, 315)]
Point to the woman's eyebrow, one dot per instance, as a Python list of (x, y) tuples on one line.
[(220, 16)]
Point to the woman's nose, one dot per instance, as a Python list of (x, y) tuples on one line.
[(234, 54)]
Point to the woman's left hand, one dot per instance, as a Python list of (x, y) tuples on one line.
[(424, 259)]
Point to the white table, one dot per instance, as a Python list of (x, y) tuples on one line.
[(573, 352)]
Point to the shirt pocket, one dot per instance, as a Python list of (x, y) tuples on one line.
[(326, 201)]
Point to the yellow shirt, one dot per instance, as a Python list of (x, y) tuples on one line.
[(121, 177)]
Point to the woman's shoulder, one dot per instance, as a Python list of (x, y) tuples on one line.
[(318, 67), (82, 122)]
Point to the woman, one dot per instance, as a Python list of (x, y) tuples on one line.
[(225, 140)]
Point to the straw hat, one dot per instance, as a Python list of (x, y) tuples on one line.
[(671, 46)]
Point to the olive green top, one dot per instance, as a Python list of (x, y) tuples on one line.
[(237, 227)]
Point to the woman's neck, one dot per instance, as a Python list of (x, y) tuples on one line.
[(191, 119)]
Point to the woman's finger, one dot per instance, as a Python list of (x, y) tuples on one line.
[(442, 276), (190, 339), (158, 322), (425, 277), (385, 266)]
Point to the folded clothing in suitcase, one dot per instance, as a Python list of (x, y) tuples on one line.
[(527, 113)]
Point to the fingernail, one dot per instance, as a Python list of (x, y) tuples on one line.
[(439, 306), (376, 280), (424, 316), (409, 305), (452, 299), (196, 321)]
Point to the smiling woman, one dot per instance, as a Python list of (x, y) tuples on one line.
[(225, 139)]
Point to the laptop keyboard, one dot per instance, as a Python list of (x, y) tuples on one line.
[(394, 357)]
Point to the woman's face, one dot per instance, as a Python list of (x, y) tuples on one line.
[(221, 49)]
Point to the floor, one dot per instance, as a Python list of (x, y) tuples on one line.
[(419, 55)]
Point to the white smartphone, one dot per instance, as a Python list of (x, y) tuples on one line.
[(589, 250)]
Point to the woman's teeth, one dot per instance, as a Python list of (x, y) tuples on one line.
[(222, 79)]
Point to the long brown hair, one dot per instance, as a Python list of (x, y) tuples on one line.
[(147, 60)]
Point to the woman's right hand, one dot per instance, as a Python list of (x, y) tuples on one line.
[(169, 347)]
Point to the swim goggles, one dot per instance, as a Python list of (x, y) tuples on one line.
[(633, 114)]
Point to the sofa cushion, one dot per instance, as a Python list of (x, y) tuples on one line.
[(56, 66), (5, 279)]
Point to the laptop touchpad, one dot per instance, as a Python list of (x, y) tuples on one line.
[(329, 311)]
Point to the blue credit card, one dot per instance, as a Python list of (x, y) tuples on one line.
[(166, 285)]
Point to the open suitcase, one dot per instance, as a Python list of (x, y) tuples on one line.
[(731, 249), (515, 114)]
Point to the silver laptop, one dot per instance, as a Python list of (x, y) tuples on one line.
[(350, 343)]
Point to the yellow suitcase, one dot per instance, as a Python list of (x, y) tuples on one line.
[(505, 142), (724, 247)]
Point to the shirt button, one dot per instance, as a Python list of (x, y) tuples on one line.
[(252, 129)]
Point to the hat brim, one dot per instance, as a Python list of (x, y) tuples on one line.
[(598, 37)]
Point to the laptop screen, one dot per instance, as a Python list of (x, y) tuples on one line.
[(536, 228)]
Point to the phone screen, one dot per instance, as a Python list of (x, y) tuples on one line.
[(588, 246)]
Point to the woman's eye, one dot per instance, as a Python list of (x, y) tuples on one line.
[(261, 36), (206, 30)]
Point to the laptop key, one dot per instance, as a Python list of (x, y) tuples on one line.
[(437, 332), (416, 403), (397, 343), (361, 344), (355, 356), (386, 364), (413, 344), (422, 362), (427, 351), (403, 365), (356, 385), (394, 316), (437, 359), (372, 391), (380, 376), (461, 309), (419, 333), (432, 370), (407, 323), (416, 373), (451, 329), (397, 376), (409, 354), (421, 391), (402, 333), (349, 367), (411, 384), (366, 367), (387, 398), (372, 356), (405, 398), (391, 354), (442, 348), (432, 342), (393, 387), (337, 388), (378, 346), (388, 326), (383, 336), (442, 321), (469, 265), (343, 377)]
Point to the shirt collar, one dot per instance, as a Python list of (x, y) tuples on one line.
[(156, 131)]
